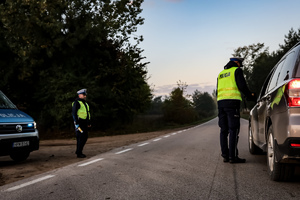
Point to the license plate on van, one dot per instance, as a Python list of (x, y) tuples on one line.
[(20, 144)]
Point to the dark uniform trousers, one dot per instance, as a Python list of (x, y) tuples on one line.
[(81, 137), (229, 123)]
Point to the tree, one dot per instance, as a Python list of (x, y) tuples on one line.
[(261, 68), (259, 62), (156, 106), (7, 61), (290, 40), (177, 108), (204, 104), (265, 61), (249, 53), (62, 46)]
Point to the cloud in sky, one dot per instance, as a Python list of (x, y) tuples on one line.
[(165, 90), (174, 1)]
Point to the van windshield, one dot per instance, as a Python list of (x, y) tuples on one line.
[(5, 103)]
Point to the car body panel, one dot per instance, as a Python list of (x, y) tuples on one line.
[(272, 108)]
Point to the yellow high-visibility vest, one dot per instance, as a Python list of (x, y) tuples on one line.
[(227, 88), (82, 112)]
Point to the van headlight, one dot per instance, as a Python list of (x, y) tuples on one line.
[(32, 125)]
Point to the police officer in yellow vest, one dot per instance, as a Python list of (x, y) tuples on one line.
[(81, 116), (231, 83)]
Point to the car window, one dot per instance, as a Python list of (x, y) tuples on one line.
[(298, 66), (265, 85), (275, 76), (287, 68)]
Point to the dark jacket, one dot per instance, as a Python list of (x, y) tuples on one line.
[(75, 108), (242, 86)]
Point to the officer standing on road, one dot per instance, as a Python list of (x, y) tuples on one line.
[(81, 116), (231, 83)]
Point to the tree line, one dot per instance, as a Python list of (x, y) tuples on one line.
[(182, 108), (259, 61), (51, 49)]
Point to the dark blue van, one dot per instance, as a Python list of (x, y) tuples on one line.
[(18, 133)]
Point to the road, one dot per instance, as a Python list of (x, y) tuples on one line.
[(180, 165)]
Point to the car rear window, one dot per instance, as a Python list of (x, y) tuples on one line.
[(275, 76), (297, 75), (287, 68)]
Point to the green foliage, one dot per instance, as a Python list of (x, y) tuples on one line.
[(177, 108), (290, 40), (250, 54), (259, 62), (156, 106), (261, 68), (58, 47), (204, 104)]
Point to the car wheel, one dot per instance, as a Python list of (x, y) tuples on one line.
[(19, 156), (253, 149), (277, 171)]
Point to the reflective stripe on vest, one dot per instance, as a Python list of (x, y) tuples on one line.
[(227, 88), (82, 112)]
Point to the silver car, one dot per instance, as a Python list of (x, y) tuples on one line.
[(274, 122)]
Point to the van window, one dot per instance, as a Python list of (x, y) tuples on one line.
[(5, 103), (273, 82), (287, 68)]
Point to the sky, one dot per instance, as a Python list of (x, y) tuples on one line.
[(190, 41)]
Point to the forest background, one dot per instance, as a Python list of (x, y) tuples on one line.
[(51, 49)]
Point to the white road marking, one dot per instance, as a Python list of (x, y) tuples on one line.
[(124, 151), (93, 161), (143, 144), (29, 183), (157, 139)]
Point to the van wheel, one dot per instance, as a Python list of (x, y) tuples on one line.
[(277, 171), (253, 149), (19, 156)]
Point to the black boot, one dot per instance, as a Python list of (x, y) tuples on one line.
[(225, 159), (237, 160)]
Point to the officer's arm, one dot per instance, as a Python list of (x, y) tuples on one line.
[(241, 83), (75, 108), (217, 89), (89, 119)]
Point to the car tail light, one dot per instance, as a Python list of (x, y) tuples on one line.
[(295, 145), (293, 92)]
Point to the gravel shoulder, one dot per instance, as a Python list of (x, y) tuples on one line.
[(54, 154)]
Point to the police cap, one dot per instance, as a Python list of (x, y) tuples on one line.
[(237, 59), (240, 60), (82, 91)]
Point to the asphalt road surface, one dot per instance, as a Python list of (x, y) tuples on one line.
[(180, 165)]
